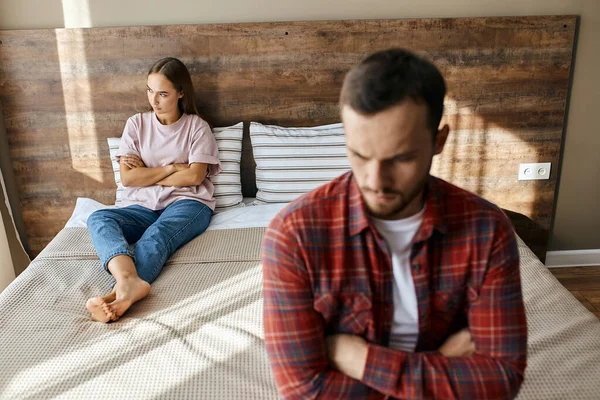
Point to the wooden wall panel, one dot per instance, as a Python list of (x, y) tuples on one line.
[(65, 91)]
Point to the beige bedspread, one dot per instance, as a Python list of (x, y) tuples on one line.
[(564, 338), (199, 333)]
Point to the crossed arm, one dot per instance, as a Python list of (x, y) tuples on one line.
[(348, 353), (485, 362), (135, 173)]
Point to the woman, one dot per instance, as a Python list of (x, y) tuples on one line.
[(165, 156)]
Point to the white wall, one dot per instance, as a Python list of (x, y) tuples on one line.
[(577, 215)]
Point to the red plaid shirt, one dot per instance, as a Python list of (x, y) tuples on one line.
[(328, 271)]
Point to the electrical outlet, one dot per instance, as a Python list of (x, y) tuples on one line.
[(534, 171)]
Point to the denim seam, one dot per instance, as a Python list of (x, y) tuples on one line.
[(186, 225), (205, 208), (133, 224)]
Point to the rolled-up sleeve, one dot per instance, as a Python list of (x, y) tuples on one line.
[(129, 143), (204, 149)]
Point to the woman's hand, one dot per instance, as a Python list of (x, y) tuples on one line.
[(133, 161)]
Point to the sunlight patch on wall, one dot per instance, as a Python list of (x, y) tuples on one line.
[(473, 154), (76, 13), (77, 89)]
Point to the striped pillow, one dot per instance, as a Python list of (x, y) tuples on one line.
[(228, 186), (294, 161), (113, 147)]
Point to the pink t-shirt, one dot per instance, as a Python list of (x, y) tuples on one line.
[(187, 141)]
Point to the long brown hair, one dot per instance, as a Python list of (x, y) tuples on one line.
[(177, 73)]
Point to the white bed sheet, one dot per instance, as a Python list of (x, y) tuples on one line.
[(84, 207), (254, 216), (257, 216)]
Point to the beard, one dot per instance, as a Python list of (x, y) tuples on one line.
[(394, 207)]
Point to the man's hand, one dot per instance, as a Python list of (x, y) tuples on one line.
[(460, 344), (348, 354), (132, 161)]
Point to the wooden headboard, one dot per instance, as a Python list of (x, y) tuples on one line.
[(65, 91)]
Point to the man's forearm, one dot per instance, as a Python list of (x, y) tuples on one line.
[(325, 385), (431, 375), (436, 375), (142, 177)]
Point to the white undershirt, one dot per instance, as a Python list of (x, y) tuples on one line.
[(398, 235)]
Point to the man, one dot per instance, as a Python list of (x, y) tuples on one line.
[(388, 281)]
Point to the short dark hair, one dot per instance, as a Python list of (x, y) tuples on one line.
[(387, 78), (176, 72)]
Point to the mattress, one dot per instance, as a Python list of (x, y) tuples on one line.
[(199, 334)]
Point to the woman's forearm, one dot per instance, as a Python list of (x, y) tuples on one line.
[(192, 176), (143, 176)]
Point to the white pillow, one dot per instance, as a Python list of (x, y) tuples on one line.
[(228, 185), (84, 207), (294, 161)]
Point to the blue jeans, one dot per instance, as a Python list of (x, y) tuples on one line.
[(156, 234)]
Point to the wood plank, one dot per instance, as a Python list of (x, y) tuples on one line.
[(456, 65), (591, 272), (440, 34), (572, 278), (94, 92), (584, 301), (581, 279), (592, 296), (543, 123)]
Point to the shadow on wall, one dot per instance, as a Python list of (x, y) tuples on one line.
[(18, 256), (7, 272)]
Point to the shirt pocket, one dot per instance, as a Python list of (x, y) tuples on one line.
[(447, 306), (350, 313)]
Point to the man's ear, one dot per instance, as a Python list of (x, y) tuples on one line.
[(440, 139)]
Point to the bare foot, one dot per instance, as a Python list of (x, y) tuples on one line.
[(128, 291), (98, 307)]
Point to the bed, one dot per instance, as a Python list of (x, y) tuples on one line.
[(199, 333)]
